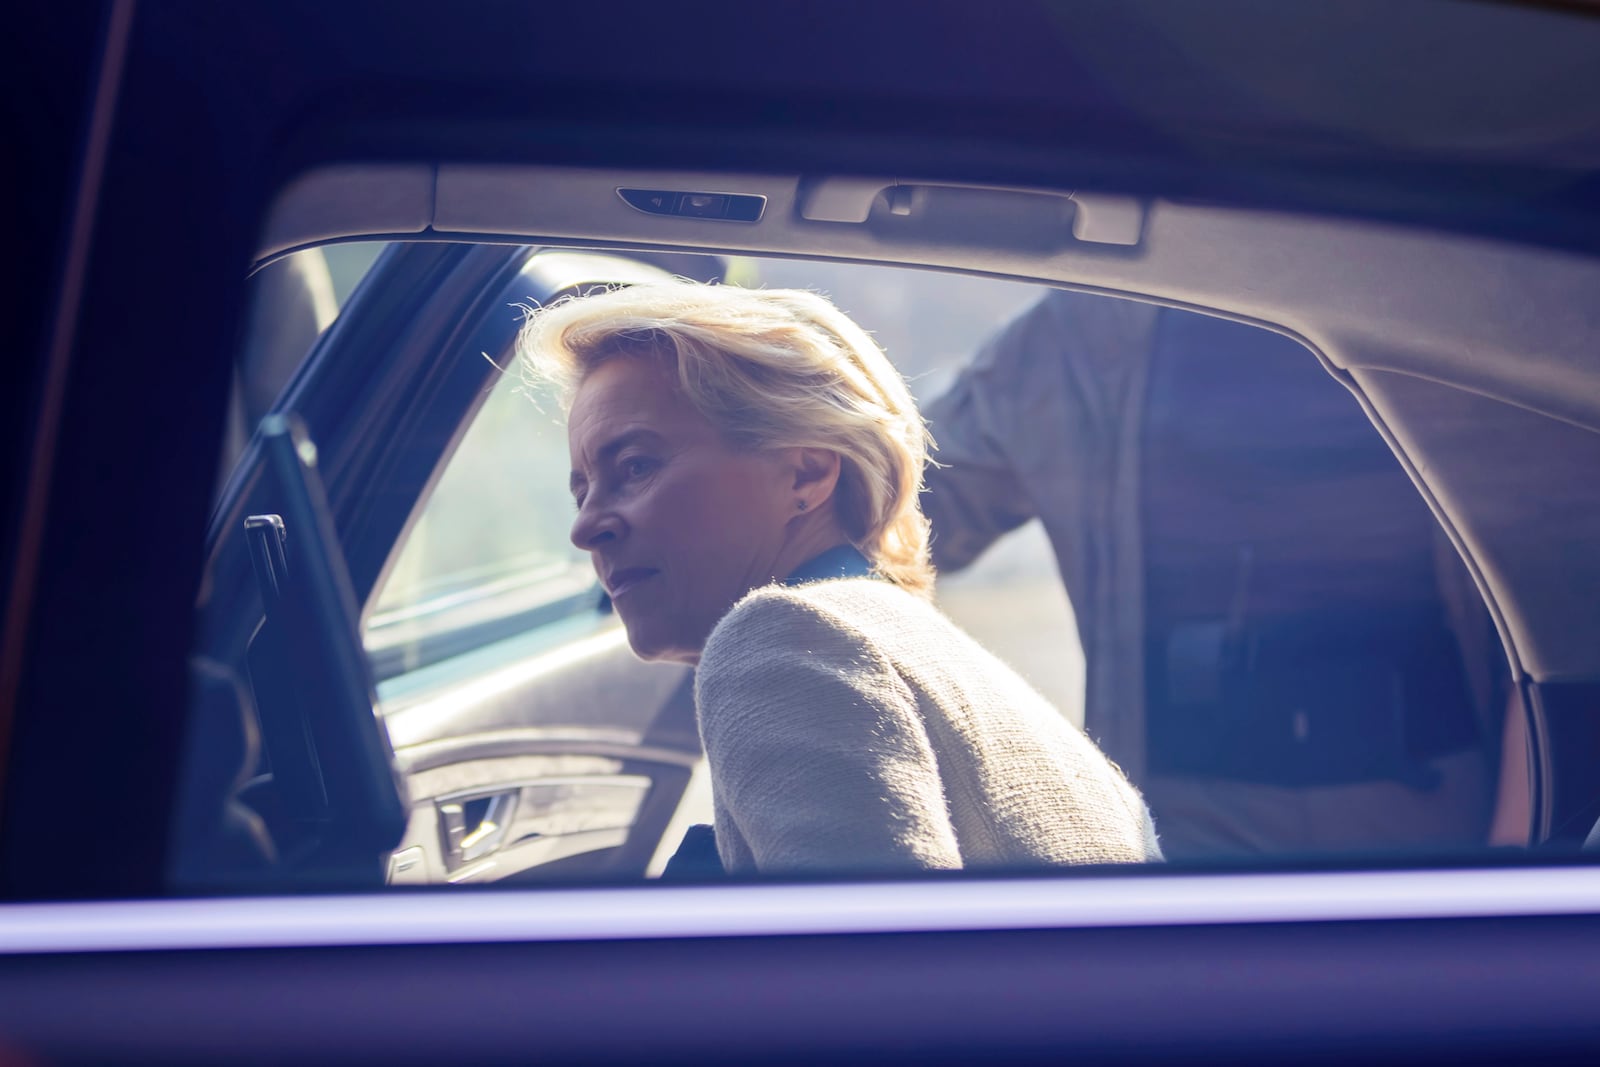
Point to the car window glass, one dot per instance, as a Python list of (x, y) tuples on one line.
[(1178, 529), (293, 301), (491, 542), (485, 575)]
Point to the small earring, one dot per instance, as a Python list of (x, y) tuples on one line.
[(802, 505)]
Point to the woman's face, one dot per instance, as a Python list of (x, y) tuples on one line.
[(678, 524)]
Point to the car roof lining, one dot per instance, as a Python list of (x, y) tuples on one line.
[(1510, 323)]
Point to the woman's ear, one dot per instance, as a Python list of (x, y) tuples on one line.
[(816, 475)]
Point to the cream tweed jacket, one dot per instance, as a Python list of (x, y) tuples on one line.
[(852, 727)]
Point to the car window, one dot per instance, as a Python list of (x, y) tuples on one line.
[(1177, 529), (486, 579), (489, 555), (293, 302)]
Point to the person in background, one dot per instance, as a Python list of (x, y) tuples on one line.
[(1280, 647), (746, 467)]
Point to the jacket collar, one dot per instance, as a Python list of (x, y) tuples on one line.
[(841, 561)]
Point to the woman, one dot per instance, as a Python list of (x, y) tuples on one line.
[(746, 466)]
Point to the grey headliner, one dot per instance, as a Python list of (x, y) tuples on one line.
[(1476, 358)]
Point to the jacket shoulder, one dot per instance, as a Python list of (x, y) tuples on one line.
[(776, 617)]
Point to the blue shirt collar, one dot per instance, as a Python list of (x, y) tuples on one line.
[(841, 561)]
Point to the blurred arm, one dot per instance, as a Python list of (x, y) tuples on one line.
[(975, 494)]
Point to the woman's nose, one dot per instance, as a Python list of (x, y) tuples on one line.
[(594, 526)]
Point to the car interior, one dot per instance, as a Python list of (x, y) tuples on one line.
[(529, 745), (321, 746)]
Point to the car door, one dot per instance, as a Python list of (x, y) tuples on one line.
[(533, 743)]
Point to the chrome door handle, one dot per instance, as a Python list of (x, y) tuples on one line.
[(476, 827)]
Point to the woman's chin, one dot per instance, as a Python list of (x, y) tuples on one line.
[(655, 647)]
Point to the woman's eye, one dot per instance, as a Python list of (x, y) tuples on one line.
[(636, 467)]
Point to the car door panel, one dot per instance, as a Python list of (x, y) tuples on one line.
[(588, 749), (531, 732)]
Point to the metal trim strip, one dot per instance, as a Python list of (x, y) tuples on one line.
[(771, 910)]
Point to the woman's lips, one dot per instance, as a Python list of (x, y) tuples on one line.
[(619, 583)]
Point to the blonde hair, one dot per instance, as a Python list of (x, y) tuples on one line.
[(769, 368)]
